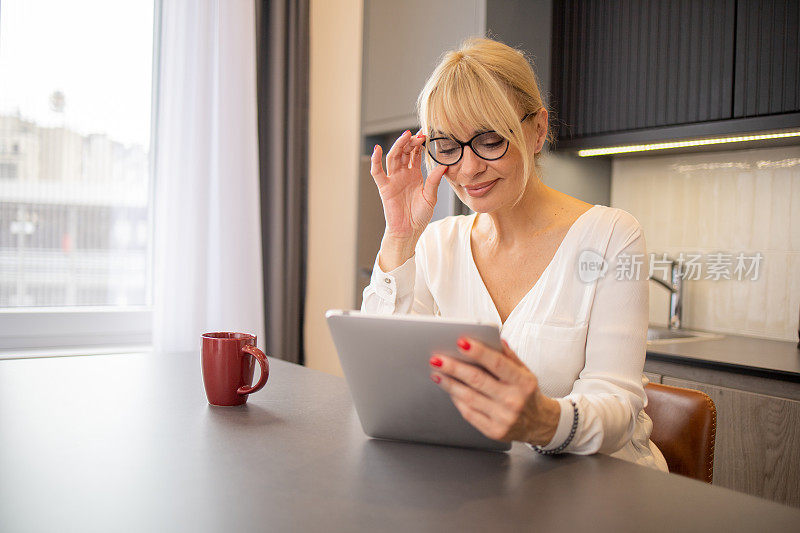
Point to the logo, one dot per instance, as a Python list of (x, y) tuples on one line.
[(591, 266)]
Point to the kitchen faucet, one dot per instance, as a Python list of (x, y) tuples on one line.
[(675, 292)]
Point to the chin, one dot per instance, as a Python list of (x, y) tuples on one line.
[(481, 205)]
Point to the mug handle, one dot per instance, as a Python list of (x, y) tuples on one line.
[(262, 360)]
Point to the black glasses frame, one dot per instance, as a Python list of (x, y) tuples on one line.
[(469, 143)]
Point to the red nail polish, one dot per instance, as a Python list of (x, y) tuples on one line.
[(435, 361), (463, 344), (436, 379)]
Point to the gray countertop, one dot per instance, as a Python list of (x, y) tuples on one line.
[(766, 358), (129, 443)]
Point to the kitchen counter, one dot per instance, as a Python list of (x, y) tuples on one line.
[(734, 353)]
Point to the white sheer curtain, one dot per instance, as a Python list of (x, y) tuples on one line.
[(207, 256)]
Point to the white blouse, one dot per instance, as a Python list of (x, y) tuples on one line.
[(581, 331)]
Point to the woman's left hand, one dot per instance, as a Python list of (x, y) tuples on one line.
[(500, 397)]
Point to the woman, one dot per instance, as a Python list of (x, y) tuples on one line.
[(541, 264)]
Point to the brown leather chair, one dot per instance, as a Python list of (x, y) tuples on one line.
[(684, 429)]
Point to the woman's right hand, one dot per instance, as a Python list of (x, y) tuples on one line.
[(408, 201)]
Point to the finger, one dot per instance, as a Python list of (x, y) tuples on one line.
[(493, 409), (498, 363), (376, 166), (480, 421), (395, 153), (473, 376), (405, 154), (414, 149), (431, 188), (416, 159)]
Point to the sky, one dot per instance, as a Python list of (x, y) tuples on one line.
[(97, 52)]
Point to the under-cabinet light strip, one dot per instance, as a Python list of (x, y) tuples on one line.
[(683, 144)]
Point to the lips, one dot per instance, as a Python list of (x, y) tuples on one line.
[(481, 188)]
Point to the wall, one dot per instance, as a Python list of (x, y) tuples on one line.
[(334, 129), (588, 179), (730, 201)]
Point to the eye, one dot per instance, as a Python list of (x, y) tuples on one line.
[(495, 144), (445, 146), (490, 140)]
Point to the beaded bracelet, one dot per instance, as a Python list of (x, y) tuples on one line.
[(569, 438)]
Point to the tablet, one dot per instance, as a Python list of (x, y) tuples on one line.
[(385, 362)]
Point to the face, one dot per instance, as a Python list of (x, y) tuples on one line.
[(485, 186)]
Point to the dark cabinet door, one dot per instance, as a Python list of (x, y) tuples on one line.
[(767, 75), (622, 65)]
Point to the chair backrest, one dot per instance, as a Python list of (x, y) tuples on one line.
[(684, 429)]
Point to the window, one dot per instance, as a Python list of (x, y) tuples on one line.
[(75, 172)]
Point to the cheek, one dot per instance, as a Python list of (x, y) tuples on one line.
[(509, 169), (449, 175)]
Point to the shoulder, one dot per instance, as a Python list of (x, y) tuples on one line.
[(621, 220), (615, 227)]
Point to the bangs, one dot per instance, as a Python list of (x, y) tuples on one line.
[(466, 101)]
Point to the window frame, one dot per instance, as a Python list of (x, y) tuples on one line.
[(84, 330), (24, 331)]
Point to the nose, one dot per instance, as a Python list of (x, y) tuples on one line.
[(470, 164)]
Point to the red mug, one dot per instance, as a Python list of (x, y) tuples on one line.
[(228, 365)]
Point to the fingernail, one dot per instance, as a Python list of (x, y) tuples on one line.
[(463, 344), (436, 379), (421, 136), (374, 147), (407, 131), (435, 361)]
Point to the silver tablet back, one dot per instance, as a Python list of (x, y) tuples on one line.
[(385, 362)]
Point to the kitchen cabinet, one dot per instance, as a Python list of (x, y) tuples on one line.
[(628, 64), (654, 378), (756, 441), (402, 44), (639, 71), (767, 76)]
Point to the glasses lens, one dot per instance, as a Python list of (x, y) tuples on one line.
[(445, 151), (490, 145)]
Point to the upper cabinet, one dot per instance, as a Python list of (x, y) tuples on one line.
[(404, 40), (402, 44), (631, 69), (767, 76)]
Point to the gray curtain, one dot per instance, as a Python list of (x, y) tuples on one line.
[(282, 40)]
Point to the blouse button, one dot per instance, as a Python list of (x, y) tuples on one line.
[(387, 280), (389, 291)]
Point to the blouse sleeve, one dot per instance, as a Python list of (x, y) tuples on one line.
[(400, 291), (609, 393)]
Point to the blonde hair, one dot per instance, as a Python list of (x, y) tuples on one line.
[(483, 85)]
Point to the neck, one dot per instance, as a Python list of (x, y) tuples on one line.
[(514, 224)]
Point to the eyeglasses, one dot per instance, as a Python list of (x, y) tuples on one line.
[(488, 145)]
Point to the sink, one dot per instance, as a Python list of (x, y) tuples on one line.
[(662, 335)]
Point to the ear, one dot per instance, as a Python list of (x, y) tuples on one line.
[(540, 123)]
